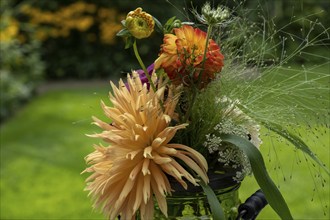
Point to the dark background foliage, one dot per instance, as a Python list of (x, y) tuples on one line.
[(74, 56)]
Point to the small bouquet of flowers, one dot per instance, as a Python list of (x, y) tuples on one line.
[(180, 120)]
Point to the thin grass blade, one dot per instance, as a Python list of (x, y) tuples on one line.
[(296, 141)]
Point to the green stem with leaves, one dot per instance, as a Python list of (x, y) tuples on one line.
[(196, 88)]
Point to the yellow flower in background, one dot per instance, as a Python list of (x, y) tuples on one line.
[(77, 16), (133, 170), (108, 31), (9, 29), (84, 23), (139, 23)]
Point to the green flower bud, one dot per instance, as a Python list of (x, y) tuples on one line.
[(140, 24)]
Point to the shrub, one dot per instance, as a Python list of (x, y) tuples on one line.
[(21, 68), (79, 37), (21, 71)]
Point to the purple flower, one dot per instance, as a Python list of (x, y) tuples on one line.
[(143, 77)]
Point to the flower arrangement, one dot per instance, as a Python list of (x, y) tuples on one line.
[(181, 118)]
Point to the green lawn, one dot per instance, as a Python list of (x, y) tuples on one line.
[(44, 145), (42, 155)]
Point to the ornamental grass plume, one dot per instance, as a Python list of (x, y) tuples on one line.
[(134, 167), (186, 59)]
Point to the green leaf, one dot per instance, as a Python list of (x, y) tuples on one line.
[(169, 25), (123, 22), (123, 33), (216, 209), (273, 195), (158, 24), (170, 21), (296, 141), (129, 41)]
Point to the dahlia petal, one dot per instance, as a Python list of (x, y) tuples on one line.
[(101, 124), (132, 154), (110, 197), (167, 150), (169, 132), (126, 189), (167, 118), (158, 175), (160, 160), (158, 142), (184, 172), (138, 196), (147, 152), (169, 44), (171, 170), (147, 210), (159, 93), (127, 210), (135, 171), (197, 156), (105, 109), (145, 167), (160, 197), (193, 166), (179, 32), (188, 33), (146, 188)]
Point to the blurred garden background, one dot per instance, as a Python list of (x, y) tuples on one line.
[(57, 58)]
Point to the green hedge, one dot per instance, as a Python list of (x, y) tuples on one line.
[(21, 70), (83, 52)]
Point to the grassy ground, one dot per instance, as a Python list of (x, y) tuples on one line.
[(42, 151), (43, 147)]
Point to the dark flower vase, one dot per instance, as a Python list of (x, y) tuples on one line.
[(192, 203)]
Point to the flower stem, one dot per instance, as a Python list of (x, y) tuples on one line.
[(208, 36), (137, 55), (196, 89)]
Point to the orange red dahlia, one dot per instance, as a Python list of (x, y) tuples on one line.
[(182, 57)]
